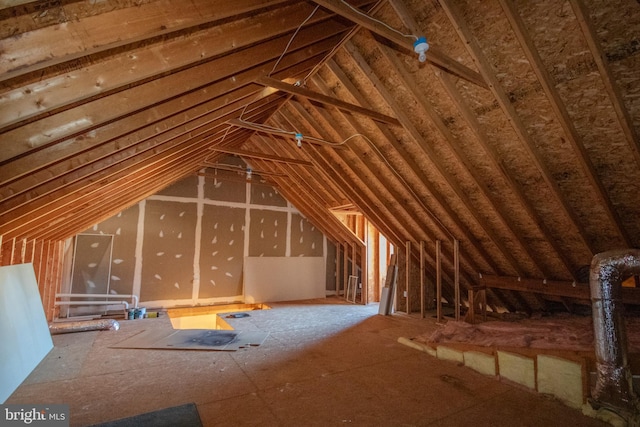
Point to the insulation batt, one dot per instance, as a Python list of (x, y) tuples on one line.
[(561, 333), (83, 326)]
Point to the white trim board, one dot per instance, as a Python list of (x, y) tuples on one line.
[(271, 279)]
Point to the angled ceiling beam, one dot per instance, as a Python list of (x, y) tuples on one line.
[(418, 172), (464, 32), (433, 54), (315, 96), (273, 131), (233, 168), (502, 215), (549, 85), (261, 156), (416, 136), (590, 34)]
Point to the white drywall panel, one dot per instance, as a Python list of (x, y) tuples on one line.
[(24, 332), (268, 279)]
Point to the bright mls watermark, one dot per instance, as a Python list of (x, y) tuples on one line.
[(34, 415)]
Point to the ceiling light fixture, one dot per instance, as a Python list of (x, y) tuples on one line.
[(420, 46), (299, 139)]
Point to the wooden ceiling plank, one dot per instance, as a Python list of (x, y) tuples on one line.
[(503, 100), (49, 95), (516, 188), (433, 54), (118, 29), (591, 36), (163, 108), (83, 165), (431, 155), (308, 94), (95, 209), (549, 86), (159, 171), (68, 216), (169, 114), (65, 195), (64, 125), (366, 159), (449, 85)]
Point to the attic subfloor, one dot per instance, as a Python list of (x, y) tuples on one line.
[(325, 362)]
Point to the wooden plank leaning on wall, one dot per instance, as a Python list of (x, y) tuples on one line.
[(46, 257)]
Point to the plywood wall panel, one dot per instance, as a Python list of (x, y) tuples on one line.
[(221, 251), (123, 227), (223, 188), (268, 233), (266, 195), (306, 240), (168, 251)]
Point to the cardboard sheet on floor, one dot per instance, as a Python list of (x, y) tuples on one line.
[(194, 339)]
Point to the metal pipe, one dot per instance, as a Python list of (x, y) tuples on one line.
[(614, 384)]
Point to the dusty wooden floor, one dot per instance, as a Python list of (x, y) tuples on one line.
[(324, 363)]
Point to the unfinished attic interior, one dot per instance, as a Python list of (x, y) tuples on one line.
[(184, 155)]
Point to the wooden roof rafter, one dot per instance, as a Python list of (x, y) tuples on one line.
[(453, 144), (486, 70), (626, 122), (433, 54), (546, 80), (376, 208), (417, 171), (418, 138), (455, 96)]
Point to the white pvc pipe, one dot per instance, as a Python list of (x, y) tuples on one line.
[(126, 304), (134, 298)]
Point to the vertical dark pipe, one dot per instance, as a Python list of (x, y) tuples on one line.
[(614, 386)]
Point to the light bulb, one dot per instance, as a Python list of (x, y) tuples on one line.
[(420, 46), (299, 139)]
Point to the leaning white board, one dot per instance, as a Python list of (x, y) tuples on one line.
[(24, 332), (270, 279)]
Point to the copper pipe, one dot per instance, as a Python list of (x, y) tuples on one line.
[(614, 384)]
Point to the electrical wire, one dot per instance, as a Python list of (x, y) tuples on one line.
[(359, 12), (291, 40), (270, 129)]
